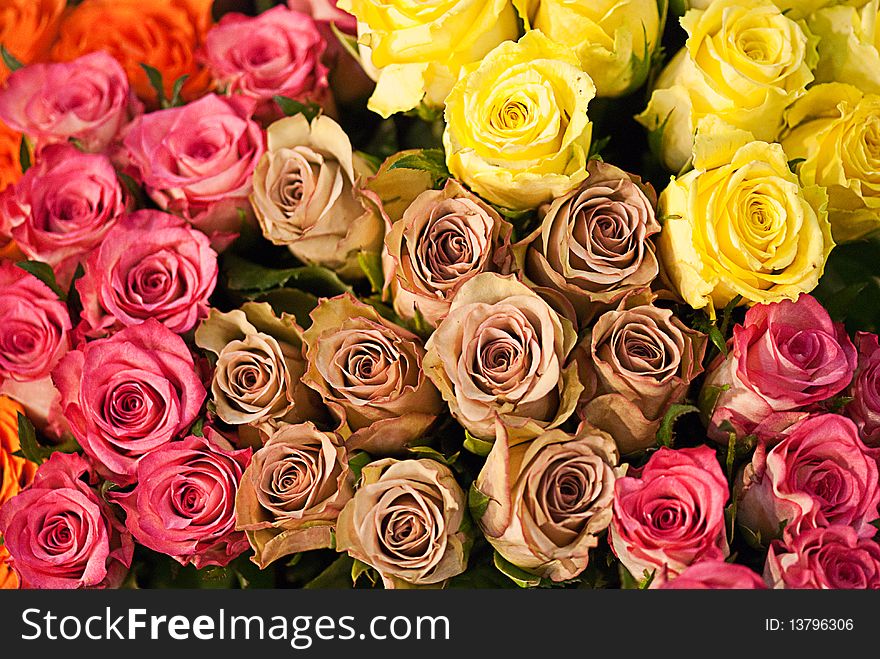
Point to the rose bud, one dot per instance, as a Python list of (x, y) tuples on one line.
[(549, 499), (594, 244), (502, 353), (292, 492), (61, 533), (715, 575), (824, 558), (444, 238), (257, 378), (306, 195), (670, 513), (151, 265), (407, 520), (369, 374), (820, 474), (644, 359), (786, 356), (864, 408), (183, 503), (127, 395)]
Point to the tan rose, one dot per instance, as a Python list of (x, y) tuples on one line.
[(407, 520), (292, 492)]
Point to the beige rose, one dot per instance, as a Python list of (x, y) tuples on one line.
[(502, 353), (594, 244), (306, 195), (292, 492), (407, 520), (549, 499), (369, 373)]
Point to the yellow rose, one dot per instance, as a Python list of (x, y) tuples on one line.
[(614, 40), (744, 61), (741, 223), (414, 49), (849, 50), (835, 129), (793, 8), (517, 130)]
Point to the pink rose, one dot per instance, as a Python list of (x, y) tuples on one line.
[(151, 265), (826, 558), (820, 474), (864, 409), (786, 356), (670, 513), (61, 533), (326, 12), (275, 53), (128, 395), (196, 161), (63, 207), (715, 575), (88, 99), (183, 504)]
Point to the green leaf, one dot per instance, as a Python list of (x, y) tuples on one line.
[(198, 428), (9, 59), (176, 101), (476, 446), (43, 272), (419, 325), (794, 162), (717, 339), (664, 432), (74, 303), (837, 403), (27, 439), (432, 161), (357, 462), (371, 264), (24, 154), (731, 454), (154, 75), (477, 502), (647, 579), (264, 5), (359, 568), (349, 43), (707, 398), (730, 519), (726, 316), (655, 136), (336, 575), (433, 454), (519, 576), (290, 108), (243, 275), (597, 147), (293, 301)]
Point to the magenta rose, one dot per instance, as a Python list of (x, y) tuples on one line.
[(785, 357), (275, 53), (60, 533), (128, 395), (715, 575), (864, 408), (63, 207), (196, 161), (88, 99), (151, 265), (183, 504), (820, 474), (825, 558), (670, 513)]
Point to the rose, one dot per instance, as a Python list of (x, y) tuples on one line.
[(819, 475), (369, 374), (829, 558), (87, 99), (292, 492), (28, 29), (61, 533), (793, 8), (163, 34), (275, 53), (501, 355), (128, 395), (150, 265), (644, 359), (715, 575), (835, 131), (548, 500), (10, 164), (34, 326), (741, 224), (197, 160), (849, 46), (864, 408), (407, 521), (670, 513), (63, 207), (257, 378), (593, 243), (306, 195), (183, 503), (416, 55), (444, 238), (326, 12), (614, 41), (784, 357), (744, 63), (517, 131)]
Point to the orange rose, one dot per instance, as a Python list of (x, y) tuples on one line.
[(27, 29), (10, 165), (162, 33), (15, 473), (8, 578)]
